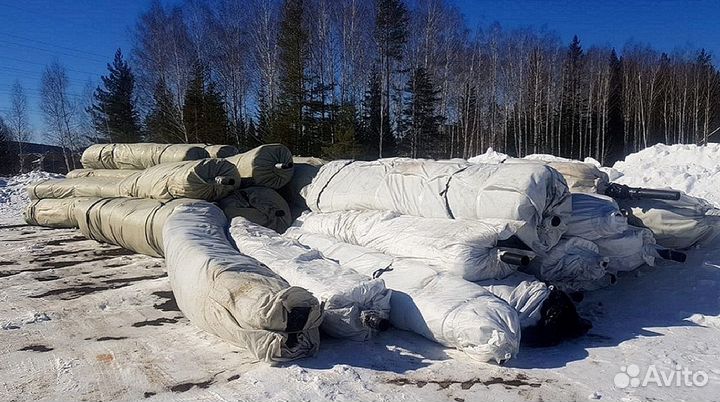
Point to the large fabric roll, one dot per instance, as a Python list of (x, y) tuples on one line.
[(219, 151), (594, 217), (675, 224), (462, 247), (207, 179), (305, 170), (132, 223), (440, 307), (355, 305), (232, 295), (531, 193), (269, 165), (54, 213), (108, 173), (260, 205), (572, 259), (580, 177), (138, 156)]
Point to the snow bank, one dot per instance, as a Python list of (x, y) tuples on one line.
[(493, 157), (690, 168), (14, 198)]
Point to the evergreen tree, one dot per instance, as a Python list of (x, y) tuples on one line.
[(204, 114), (420, 121), (346, 145), (113, 109), (370, 137), (5, 136), (286, 125), (572, 98), (391, 32), (616, 148), (163, 123)]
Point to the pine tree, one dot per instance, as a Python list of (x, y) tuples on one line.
[(113, 109), (204, 114), (5, 136), (616, 148), (391, 32), (346, 145), (572, 98), (372, 104), (420, 121), (163, 123), (286, 125)]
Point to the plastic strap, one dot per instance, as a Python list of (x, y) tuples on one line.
[(317, 200), (445, 191)]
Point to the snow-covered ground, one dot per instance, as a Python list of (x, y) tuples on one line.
[(84, 321)]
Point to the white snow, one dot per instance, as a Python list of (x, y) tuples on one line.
[(693, 169), (13, 196), (81, 320)]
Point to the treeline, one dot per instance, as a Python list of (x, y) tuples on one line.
[(364, 79)]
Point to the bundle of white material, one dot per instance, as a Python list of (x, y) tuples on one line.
[(675, 224), (207, 179), (440, 307), (355, 305), (628, 250), (138, 156), (269, 165), (580, 177), (109, 173), (234, 296), (132, 223), (532, 193), (595, 217), (465, 248), (525, 294), (54, 213), (573, 259), (260, 205)]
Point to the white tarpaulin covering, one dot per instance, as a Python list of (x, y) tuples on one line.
[(138, 156), (305, 170), (353, 303), (132, 223), (444, 308), (573, 259), (219, 151), (233, 296), (532, 193), (595, 217), (580, 177), (207, 179), (675, 224), (628, 250), (260, 205), (269, 165), (461, 247), (525, 294)]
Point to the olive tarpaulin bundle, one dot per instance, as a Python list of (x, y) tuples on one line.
[(531, 193), (355, 305), (138, 155), (443, 308), (233, 296), (269, 165), (260, 205), (108, 173), (132, 223), (54, 212), (206, 179)]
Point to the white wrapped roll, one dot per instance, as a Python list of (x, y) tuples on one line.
[(354, 304), (461, 247), (532, 193), (443, 308)]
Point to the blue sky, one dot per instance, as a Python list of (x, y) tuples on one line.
[(83, 35)]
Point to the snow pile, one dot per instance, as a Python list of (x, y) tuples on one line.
[(13, 197), (690, 168), (493, 157)]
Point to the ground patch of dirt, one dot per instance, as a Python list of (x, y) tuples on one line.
[(520, 380)]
